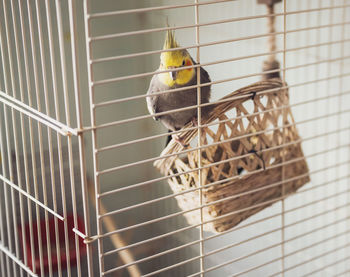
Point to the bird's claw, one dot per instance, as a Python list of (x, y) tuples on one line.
[(180, 141), (194, 121)]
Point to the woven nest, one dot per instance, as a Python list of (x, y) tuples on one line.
[(248, 163)]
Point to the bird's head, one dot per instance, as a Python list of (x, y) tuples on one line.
[(175, 60)]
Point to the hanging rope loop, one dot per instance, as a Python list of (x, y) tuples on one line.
[(271, 65)]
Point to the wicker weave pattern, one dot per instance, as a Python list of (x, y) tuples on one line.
[(243, 159)]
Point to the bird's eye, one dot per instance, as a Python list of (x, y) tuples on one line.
[(183, 63)]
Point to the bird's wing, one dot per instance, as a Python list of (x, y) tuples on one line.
[(205, 78), (152, 102)]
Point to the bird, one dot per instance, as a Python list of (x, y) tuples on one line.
[(177, 79)]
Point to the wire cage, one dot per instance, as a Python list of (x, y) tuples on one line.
[(255, 185)]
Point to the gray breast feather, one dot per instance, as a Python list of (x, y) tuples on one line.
[(152, 101), (177, 100)]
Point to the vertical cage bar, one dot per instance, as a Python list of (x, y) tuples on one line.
[(7, 217), (317, 85), (25, 153), (40, 137), (12, 177), (4, 170), (8, 150), (69, 138), (2, 258), (47, 108), (59, 145), (340, 98), (199, 151), (77, 94), (19, 171), (52, 62), (2, 231), (2, 238), (283, 137), (328, 85), (94, 132), (348, 182), (63, 193)]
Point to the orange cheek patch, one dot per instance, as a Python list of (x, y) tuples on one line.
[(188, 63)]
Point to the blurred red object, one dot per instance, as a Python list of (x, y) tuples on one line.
[(62, 245)]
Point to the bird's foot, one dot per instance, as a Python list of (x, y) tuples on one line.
[(194, 121), (180, 141)]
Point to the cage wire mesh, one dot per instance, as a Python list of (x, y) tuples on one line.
[(79, 194)]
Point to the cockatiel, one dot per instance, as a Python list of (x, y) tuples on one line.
[(181, 78)]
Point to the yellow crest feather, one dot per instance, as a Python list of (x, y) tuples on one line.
[(170, 41)]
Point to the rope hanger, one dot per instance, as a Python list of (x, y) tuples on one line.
[(271, 63)]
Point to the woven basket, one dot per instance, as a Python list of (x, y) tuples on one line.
[(249, 162)]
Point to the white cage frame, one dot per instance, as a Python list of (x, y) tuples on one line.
[(35, 132)]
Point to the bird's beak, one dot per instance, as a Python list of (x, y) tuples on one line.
[(173, 74)]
